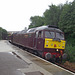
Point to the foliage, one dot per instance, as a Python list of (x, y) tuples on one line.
[(3, 33), (36, 21), (52, 14), (67, 19), (70, 50), (0, 33)]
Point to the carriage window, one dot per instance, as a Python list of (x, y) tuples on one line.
[(60, 36), (40, 35), (49, 34)]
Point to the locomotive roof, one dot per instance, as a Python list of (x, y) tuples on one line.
[(49, 27), (21, 32), (32, 30)]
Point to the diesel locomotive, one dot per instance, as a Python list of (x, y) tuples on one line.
[(46, 41)]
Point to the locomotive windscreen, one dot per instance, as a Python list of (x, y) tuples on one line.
[(49, 34), (52, 34), (60, 35)]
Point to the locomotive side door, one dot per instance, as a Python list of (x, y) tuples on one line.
[(39, 40), (35, 40)]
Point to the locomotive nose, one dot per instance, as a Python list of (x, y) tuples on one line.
[(48, 56)]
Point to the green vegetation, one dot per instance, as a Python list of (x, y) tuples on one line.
[(70, 49), (64, 17), (3, 33)]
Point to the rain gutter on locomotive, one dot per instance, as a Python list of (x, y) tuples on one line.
[(46, 41)]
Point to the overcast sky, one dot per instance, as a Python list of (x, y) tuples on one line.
[(15, 14)]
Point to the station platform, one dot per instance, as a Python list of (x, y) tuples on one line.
[(15, 61)]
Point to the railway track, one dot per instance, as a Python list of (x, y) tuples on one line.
[(27, 53)]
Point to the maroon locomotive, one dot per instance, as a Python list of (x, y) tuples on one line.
[(46, 41)]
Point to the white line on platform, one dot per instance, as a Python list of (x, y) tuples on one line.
[(52, 63)]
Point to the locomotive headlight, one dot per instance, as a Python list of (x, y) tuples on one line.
[(59, 45), (57, 50)]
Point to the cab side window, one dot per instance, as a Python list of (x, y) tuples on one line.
[(36, 34), (40, 34)]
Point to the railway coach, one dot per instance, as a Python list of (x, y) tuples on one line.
[(46, 41)]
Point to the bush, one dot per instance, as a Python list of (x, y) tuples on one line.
[(70, 49)]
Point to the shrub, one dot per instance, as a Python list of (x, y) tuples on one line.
[(70, 49)]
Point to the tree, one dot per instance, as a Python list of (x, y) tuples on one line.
[(51, 15), (0, 33), (67, 19), (36, 21), (3, 33)]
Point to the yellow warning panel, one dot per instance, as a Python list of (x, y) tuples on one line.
[(50, 43)]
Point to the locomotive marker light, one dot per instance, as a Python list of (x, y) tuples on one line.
[(62, 46), (51, 44), (59, 45), (47, 41), (55, 45), (46, 45)]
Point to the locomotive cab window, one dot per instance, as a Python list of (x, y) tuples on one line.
[(49, 34), (60, 35), (36, 34)]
